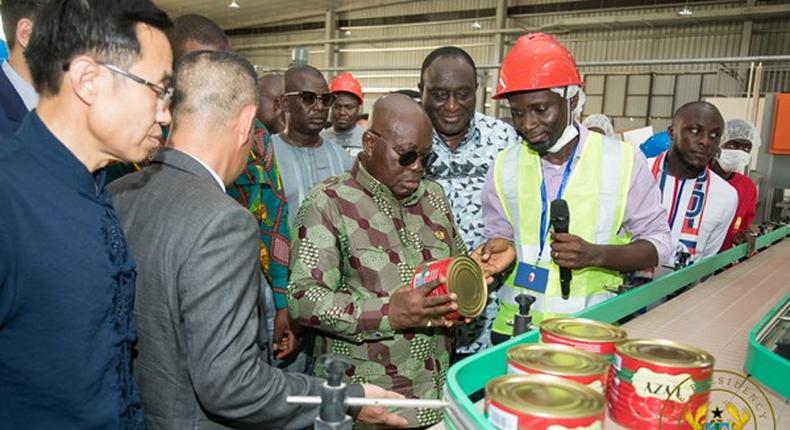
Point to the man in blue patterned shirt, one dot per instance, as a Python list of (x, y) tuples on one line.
[(466, 143)]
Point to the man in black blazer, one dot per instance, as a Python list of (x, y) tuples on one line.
[(200, 364), (17, 95)]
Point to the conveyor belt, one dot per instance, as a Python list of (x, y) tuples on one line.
[(718, 314)]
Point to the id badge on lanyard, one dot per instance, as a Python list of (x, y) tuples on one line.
[(532, 276)]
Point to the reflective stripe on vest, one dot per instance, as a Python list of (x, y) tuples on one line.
[(596, 194)]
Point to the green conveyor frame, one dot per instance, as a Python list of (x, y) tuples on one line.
[(470, 375), (765, 365)]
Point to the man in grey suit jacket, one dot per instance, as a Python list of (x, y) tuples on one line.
[(200, 365)]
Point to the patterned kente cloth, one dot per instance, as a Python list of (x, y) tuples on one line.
[(260, 189), (353, 245)]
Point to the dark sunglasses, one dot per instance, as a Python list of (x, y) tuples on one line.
[(408, 158), (309, 98)]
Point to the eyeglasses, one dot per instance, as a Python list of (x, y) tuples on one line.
[(406, 159), (165, 93), (309, 98)]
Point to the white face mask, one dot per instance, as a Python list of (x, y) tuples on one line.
[(734, 160), (568, 134)]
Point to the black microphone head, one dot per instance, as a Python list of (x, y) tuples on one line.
[(560, 217)]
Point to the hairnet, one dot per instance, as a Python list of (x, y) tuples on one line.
[(741, 129), (601, 121)]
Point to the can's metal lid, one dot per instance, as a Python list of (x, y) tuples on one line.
[(665, 353), (555, 359), (583, 329), (465, 279), (545, 396)]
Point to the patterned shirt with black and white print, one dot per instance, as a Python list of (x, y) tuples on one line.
[(461, 172)]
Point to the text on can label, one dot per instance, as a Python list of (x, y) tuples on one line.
[(661, 386)]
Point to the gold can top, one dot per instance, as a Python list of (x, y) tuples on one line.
[(583, 329), (466, 280), (545, 396), (665, 353), (555, 359)]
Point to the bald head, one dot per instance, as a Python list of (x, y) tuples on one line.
[(272, 85), (270, 109), (393, 111), (397, 143)]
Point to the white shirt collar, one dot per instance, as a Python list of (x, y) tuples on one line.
[(25, 90), (210, 170)]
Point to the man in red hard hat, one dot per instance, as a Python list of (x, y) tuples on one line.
[(345, 112), (616, 221)]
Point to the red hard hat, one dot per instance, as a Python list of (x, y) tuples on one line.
[(536, 62), (346, 83)]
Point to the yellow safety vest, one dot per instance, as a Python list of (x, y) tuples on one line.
[(596, 194)]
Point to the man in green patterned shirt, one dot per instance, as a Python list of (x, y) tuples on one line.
[(356, 242)]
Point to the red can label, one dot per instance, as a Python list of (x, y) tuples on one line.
[(508, 419), (431, 271), (600, 348), (596, 382), (642, 395)]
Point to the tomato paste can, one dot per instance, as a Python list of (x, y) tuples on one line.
[(656, 382), (463, 277), (559, 360), (542, 402), (588, 335)]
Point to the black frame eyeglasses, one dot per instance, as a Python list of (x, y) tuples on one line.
[(310, 98), (408, 158), (165, 93)]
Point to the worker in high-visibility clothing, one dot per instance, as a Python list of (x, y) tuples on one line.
[(617, 222)]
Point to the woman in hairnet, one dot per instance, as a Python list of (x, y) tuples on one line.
[(739, 140), (600, 124)]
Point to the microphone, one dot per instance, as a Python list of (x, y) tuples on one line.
[(560, 219)]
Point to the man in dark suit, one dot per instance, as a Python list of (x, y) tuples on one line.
[(200, 363), (17, 95)]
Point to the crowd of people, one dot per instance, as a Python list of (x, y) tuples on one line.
[(181, 240)]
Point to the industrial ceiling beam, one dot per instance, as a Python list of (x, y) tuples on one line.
[(625, 21)]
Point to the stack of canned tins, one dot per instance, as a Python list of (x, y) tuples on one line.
[(584, 366)]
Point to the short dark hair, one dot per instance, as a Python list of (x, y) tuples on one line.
[(104, 28), (446, 51), (293, 74), (219, 82), (700, 104), (14, 10), (196, 28)]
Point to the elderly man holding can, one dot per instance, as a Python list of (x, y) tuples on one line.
[(357, 241)]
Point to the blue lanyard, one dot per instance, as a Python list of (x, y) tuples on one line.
[(544, 208)]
